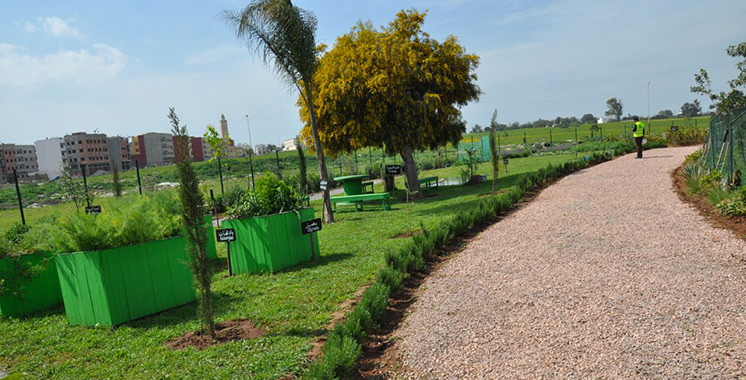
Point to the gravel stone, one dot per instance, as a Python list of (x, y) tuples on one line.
[(606, 274)]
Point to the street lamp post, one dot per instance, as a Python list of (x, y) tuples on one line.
[(251, 152), (650, 129)]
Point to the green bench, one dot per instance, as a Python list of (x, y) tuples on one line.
[(367, 185), (357, 200), (427, 182)]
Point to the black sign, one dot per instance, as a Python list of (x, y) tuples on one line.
[(225, 235), (674, 128), (505, 161), (322, 185), (393, 169), (93, 210), (310, 226)]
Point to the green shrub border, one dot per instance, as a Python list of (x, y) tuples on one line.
[(343, 345)]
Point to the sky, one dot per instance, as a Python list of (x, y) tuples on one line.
[(116, 67)]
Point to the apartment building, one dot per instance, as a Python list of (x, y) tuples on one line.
[(153, 149), (89, 151), (50, 152), (119, 151), (22, 158)]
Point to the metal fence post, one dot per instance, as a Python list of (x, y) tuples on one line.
[(18, 193)]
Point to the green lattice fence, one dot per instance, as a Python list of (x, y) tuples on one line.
[(726, 145)]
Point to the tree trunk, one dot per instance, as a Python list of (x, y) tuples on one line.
[(411, 171), (327, 207)]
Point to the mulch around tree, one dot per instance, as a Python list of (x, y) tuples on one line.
[(705, 208), (225, 332)]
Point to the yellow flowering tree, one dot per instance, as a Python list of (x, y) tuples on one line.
[(395, 88)]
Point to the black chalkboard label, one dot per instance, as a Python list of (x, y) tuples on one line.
[(505, 161), (225, 234), (674, 128), (310, 226), (93, 210), (393, 169)]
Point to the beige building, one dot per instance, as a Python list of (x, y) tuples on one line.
[(87, 150), (22, 158)]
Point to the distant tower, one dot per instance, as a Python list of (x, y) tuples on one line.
[(223, 127)]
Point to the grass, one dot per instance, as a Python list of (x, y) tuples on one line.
[(617, 128), (294, 305)]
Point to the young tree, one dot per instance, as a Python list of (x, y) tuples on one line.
[(724, 102), (396, 89), (116, 183), (192, 213), (494, 153), (217, 145), (284, 35), (615, 108), (71, 187)]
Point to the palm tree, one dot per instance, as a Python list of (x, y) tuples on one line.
[(284, 36)]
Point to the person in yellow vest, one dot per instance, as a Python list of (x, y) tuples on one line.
[(638, 130)]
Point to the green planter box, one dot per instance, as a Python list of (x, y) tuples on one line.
[(117, 285), (39, 292), (211, 250), (270, 243)]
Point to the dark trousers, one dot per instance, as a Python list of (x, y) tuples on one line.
[(638, 142)]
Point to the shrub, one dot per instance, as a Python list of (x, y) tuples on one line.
[(391, 278), (146, 219), (732, 207), (375, 300), (340, 354), (688, 136), (270, 196)]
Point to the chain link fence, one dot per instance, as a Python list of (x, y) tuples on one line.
[(725, 149)]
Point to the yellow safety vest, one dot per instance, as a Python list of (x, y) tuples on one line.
[(640, 131)]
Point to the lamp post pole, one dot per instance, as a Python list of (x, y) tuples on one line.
[(650, 129), (251, 152)]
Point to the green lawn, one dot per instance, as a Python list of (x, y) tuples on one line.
[(294, 305), (558, 135)]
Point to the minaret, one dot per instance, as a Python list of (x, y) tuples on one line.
[(223, 127)]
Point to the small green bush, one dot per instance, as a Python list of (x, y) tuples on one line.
[(375, 300), (271, 195), (148, 218), (391, 278), (340, 355)]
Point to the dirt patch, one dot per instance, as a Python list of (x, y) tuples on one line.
[(229, 331), (700, 202), (407, 234)]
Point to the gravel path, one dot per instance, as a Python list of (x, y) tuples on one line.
[(606, 274)]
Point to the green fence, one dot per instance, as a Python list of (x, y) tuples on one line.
[(117, 285), (480, 149), (38, 292), (726, 145), (270, 243)]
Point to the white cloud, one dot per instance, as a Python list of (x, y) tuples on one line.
[(82, 66), (54, 26), (59, 27)]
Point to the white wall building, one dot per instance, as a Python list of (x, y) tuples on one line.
[(49, 153), (290, 144)]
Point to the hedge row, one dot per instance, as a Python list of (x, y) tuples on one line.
[(342, 349)]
